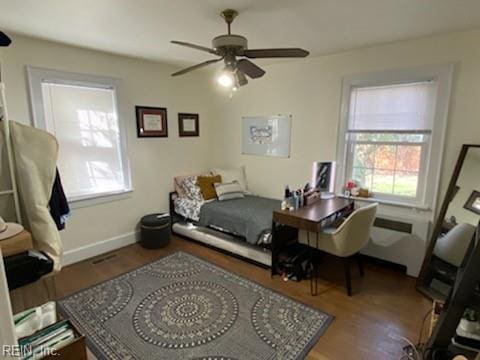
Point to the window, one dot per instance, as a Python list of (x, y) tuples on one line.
[(83, 117), (389, 129), (388, 134)]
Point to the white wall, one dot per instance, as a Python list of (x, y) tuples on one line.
[(153, 161), (310, 89)]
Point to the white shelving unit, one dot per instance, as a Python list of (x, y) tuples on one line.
[(6, 131), (7, 330)]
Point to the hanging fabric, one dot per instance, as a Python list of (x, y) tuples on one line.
[(35, 152), (58, 203)]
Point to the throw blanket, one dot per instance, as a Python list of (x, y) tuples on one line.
[(250, 217), (188, 208)]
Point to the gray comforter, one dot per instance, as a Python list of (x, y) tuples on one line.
[(250, 217)]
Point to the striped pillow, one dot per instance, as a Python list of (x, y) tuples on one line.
[(228, 191)]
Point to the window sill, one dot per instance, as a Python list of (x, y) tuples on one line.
[(93, 200), (391, 203)]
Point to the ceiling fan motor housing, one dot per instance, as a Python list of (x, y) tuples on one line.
[(227, 43)]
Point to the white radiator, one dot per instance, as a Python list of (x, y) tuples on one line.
[(400, 241)]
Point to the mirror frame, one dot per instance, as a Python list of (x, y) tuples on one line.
[(440, 218)]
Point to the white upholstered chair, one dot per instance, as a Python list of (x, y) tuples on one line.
[(347, 240), (454, 245)]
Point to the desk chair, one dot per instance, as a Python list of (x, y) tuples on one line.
[(346, 241)]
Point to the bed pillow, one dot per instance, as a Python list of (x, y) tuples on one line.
[(206, 186), (228, 191), (191, 189), (178, 183), (230, 175)]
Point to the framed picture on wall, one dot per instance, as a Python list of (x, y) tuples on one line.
[(266, 135), (473, 202), (188, 124), (151, 121)]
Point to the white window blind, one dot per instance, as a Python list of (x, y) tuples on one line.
[(392, 132), (392, 108), (84, 120), (388, 135)]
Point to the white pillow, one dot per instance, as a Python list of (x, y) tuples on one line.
[(230, 175), (228, 191)]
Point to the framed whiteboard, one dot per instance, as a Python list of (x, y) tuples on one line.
[(266, 135)]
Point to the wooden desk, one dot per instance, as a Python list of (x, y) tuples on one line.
[(312, 218)]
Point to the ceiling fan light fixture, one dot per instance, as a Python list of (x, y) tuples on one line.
[(226, 79), (240, 79)]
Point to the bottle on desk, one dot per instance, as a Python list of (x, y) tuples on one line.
[(295, 201), (286, 199)]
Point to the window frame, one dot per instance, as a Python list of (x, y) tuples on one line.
[(36, 76), (421, 173), (432, 157)]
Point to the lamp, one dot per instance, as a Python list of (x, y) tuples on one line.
[(226, 79), (240, 79)]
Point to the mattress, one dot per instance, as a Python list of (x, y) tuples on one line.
[(249, 217)]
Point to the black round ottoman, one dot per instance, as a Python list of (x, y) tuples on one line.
[(155, 231)]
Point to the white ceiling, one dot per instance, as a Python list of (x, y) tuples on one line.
[(143, 28)]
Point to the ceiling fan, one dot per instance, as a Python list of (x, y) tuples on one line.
[(228, 47)]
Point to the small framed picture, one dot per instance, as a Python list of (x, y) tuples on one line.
[(151, 121), (473, 202), (188, 124)]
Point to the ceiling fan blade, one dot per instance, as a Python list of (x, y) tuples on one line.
[(195, 67), (4, 39), (274, 53), (193, 46), (250, 69), (240, 78)]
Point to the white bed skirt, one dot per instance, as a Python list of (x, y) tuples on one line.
[(223, 241)]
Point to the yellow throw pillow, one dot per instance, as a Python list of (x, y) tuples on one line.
[(206, 186)]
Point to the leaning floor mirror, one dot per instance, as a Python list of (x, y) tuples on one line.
[(453, 234)]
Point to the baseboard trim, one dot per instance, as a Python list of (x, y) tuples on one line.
[(98, 248)]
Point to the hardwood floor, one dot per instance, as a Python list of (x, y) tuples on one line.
[(383, 302)]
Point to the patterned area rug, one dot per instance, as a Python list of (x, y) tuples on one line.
[(181, 307)]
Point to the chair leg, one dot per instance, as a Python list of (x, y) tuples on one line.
[(348, 277), (314, 280), (360, 264)]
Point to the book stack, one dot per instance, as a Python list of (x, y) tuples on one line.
[(47, 341), (29, 321)]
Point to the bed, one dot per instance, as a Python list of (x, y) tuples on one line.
[(238, 226), (249, 217)]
